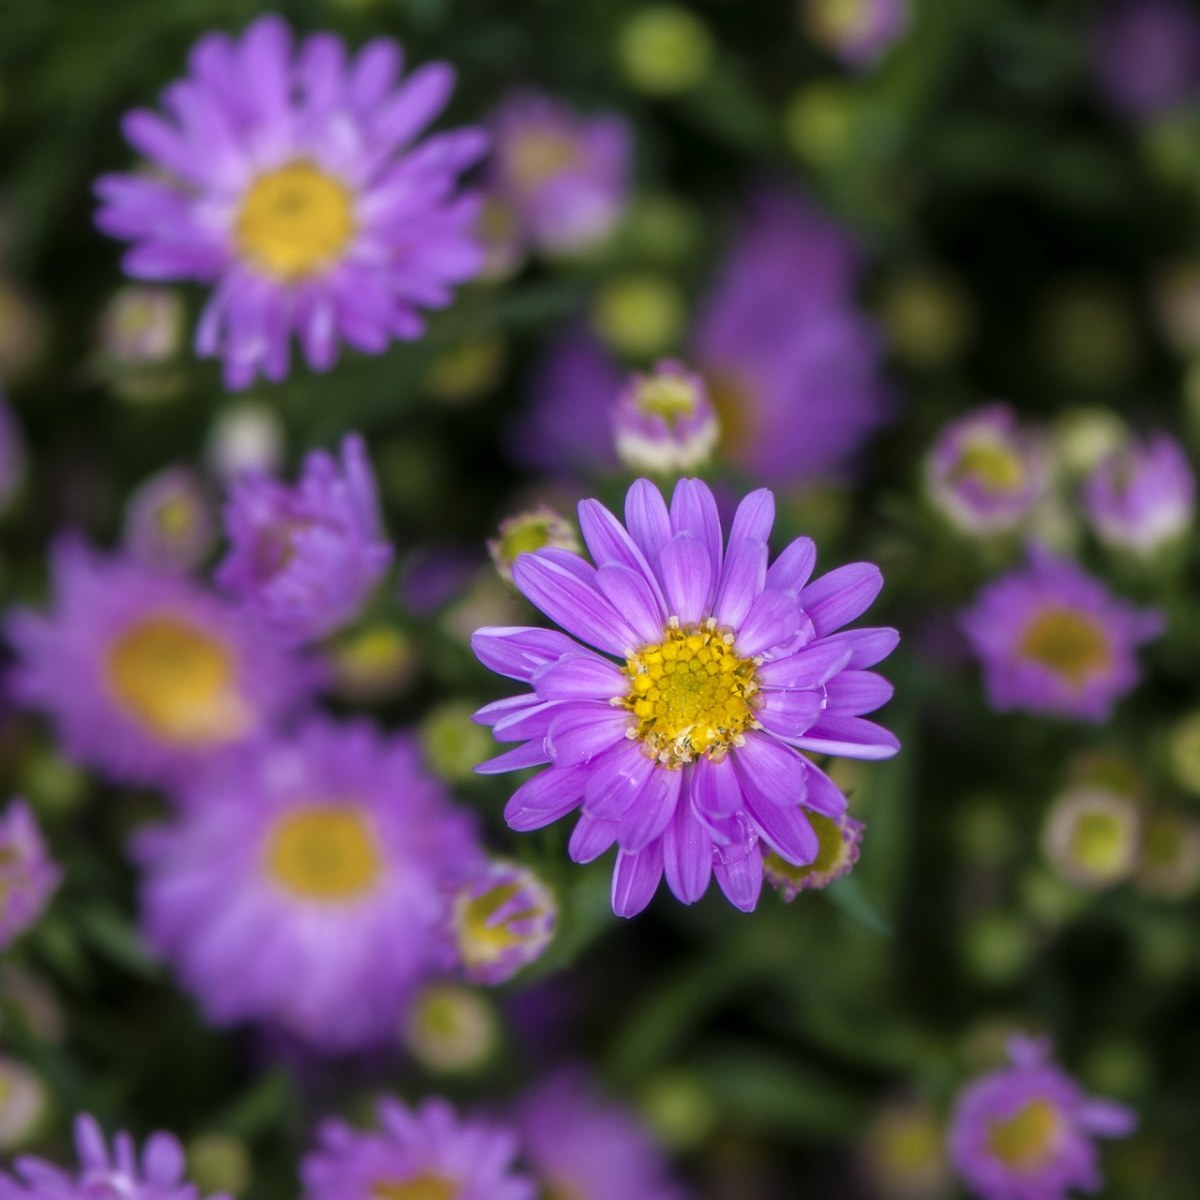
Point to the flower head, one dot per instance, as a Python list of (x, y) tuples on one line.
[(663, 421), (565, 177), (838, 842), (528, 531), (859, 32), (289, 177), (141, 326), (169, 522), (28, 876), (683, 740), (1146, 54), (985, 472), (306, 883), (1142, 497), (1168, 864), (304, 559), (146, 675), (504, 917), (1026, 1131), (423, 1153), (1091, 836), (1054, 640)]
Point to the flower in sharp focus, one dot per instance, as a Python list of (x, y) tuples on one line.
[(427, 1152), (169, 521), (305, 883), (1146, 54), (583, 1146), (663, 421), (1052, 639), (858, 32), (147, 675), (985, 473), (28, 876), (838, 842), (304, 559), (1142, 497), (504, 917), (687, 750), (529, 531), (1027, 1131), (290, 178), (156, 1173), (565, 177)]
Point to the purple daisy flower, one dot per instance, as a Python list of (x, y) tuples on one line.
[(1146, 55), (858, 32), (1052, 639), (288, 177), (304, 559), (687, 751), (504, 918), (155, 1174), (582, 1145), (423, 1153), (663, 422), (794, 370), (1142, 498), (169, 522), (1026, 1131), (28, 876), (565, 178), (147, 675), (307, 883)]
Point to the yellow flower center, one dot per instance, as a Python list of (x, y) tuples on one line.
[(666, 396), (993, 465), (480, 940), (177, 680), (1072, 645), (295, 221), (176, 516), (1029, 1138), (691, 694), (324, 852), (1101, 843), (832, 21), (535, 157), (420, 1187)]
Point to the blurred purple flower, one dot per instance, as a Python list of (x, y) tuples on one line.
[(288, 177), (687, 754), (304, 559), (1027, 1131), (147, 675), (28, 876), (169, 521), (504, 917), (1052, 639), (663, 421), (1146, 54), (858, 32), (307, 883), (431, 578)]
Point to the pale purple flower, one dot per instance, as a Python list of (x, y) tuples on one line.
[(858, 32), (169, 521), (565, 177), (104, 1173), (1052, 639), (146, 675), (142, 326), (986, 472), (307, 883), (663, 421), (1146, 54), (304, 559), (288, 176), (1142, 497), (688, 751), (28, 875), (427, 1152), (12, 455), (504, 917), (838, 842), (1027, 1131), (583, 1145)]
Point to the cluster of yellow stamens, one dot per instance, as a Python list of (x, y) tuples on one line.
[(691, 694)]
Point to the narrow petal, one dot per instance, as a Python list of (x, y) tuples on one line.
[(590, 838), (742, 580), (867, 646), (648, 520), (632, 596), (811, 666), (580, 678), (1105, 1118), (532, 754), (518, 651), (786, 829), (793, 568), (571, 602), (647, 819), (768, 768), (545, 798), (754, 517), (853, 693), (791, 714), (740, 877), (694, 511), (850, 737), (773, 619), (579, 733), (617, 781), (687, 576), (609, 543), (822, 795), (687, 855), (635, 879), (715, 789), (841, 596)]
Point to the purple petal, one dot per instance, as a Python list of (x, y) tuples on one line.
[(822, 795), (790, 714), (580, 678), (740, 877), (422, 97), (572, 603), (631, 595), (590, 838), (647, 518), (742, 580), (617, 781), (694, 511), (867, 646), (716, 791), (608, 543), (687, 576), (687, 855), (850, 737), (635, 879), (841, 596), (647, 819), (855, 692), (532, 721), (517, 651), (773, 619), (810, 666), (786, 829), (532, 754), (545, 798), (1105, 1118), (754, 517), (792, 569), (581, 732), (768, 768)]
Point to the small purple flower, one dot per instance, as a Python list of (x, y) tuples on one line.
[(1146, 54), (141, 326), (1142, 498), (838, 841), (147, 675), (304, 559), (169, 521), (663, 422), (566, 178), (157, 1173), (793, 369), (1052, 639), (858, 32), (28, 876), (306, 883), (290, 178), (582, 1145), (1027, 1131), (504, 918), (424, 1153), (12, 455), (986, 472), (687, 752)]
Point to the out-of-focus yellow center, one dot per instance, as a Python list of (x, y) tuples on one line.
[(691, 694), (666, 396), (176, 516), (177, 680), (835, 20), (295, 221), (1100, 842), (1071, 644), (991, 464), (1029, 1138), (420, 1187), (529, 533), (324, 852), (735, 401), (534, 157), (480, 939)]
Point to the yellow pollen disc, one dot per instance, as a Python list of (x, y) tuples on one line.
[(535, 158), (993, 465), (324, 852), (295, 221), (834, 20), (1071, 644), (1101, 842), (1029, 1138), (479, 940), (691, 694), (177, 680), (667, 396), (420, 1187)]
